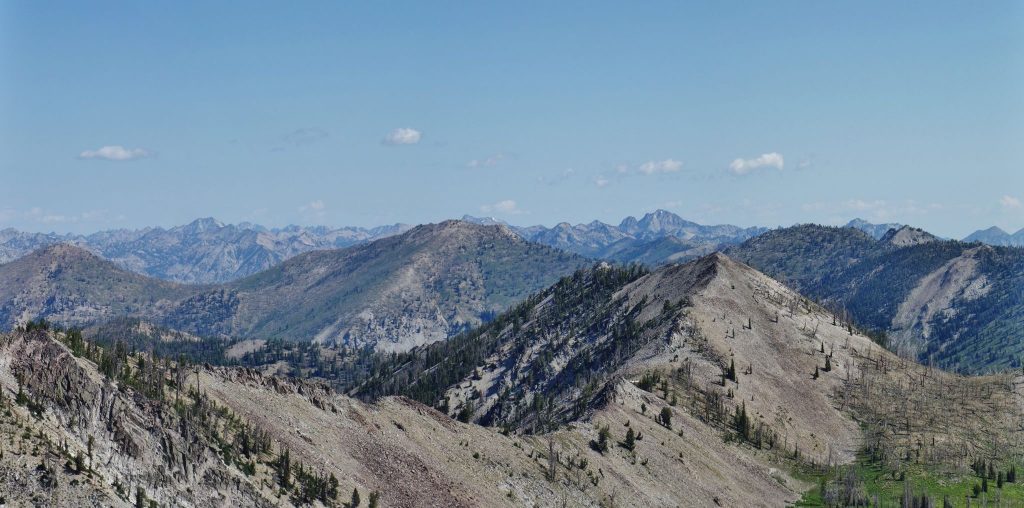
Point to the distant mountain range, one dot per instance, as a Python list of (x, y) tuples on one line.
[(658, 237), (955, 304), (996, 236), (397, 292), (203, 251), (207, 251)]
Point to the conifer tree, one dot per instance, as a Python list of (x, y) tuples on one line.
[(630, 442)]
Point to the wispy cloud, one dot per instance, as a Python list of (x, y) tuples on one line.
[(507, 207), (767, 160), (665, 166), (403, 136), (1009, 202), (601, 182), (115, 153), (488, 162)]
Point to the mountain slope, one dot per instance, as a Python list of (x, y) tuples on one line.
[(421, 286), (704, 343), (70, 285), (414, 288), (696, 384), (955, 304), (222, 439)]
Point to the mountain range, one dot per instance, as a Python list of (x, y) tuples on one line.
[(698, 384), (996, 236), (416, 287), (203, 251), (656, 238), (207, 251)]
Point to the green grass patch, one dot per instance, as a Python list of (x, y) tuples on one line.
[(878, 481)]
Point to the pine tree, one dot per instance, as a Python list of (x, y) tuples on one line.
[(815, 376), (828, 364), (666, 417), (140, 497), (601, 444), (374, 501), (355, 498), (630, 442)]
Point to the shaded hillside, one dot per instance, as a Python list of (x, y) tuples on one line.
[(70, 285), (418, 287), (948, 302), (414, 288)]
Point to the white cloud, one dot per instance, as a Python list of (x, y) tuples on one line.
[(115, 153), (767, 160), (486, 163), (506, 206), (665, 166), (601, 181), (403, 136), (1009, 202)]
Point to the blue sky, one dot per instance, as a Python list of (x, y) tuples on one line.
[(138, 113)]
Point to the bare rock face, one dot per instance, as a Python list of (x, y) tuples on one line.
[(907, 236), (135, 441)]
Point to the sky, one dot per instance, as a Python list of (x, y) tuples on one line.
[(132, 114)]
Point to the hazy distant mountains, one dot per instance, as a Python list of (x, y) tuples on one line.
[(996, 236), (208, 251), (417, 287), (991, 236), (658, 237), (204, 251)]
